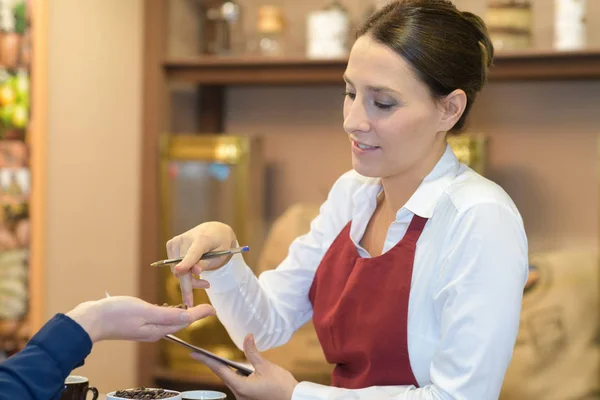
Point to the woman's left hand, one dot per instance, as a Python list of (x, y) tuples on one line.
[(268, 382)]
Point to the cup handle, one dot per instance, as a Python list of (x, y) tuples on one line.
[(94, 391)]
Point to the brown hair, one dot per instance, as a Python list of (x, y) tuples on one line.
[(447, 49)]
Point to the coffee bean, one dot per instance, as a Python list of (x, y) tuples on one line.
[(143, 393)]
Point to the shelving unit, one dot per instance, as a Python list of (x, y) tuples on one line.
[(213, 75), (23, 66)]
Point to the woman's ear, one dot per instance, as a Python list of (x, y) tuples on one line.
[(453, 107)]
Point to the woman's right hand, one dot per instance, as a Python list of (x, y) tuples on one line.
[(193, 244)]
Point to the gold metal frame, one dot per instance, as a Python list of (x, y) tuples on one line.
[(245, 153), (470, 149)]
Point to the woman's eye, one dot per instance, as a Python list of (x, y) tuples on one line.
[(383, 106), (378, 104)]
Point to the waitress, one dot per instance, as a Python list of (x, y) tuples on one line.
[(414, 270)]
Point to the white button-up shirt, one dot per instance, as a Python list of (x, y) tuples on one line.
[(469, 273)]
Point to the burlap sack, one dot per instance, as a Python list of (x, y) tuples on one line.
[(557, 352)]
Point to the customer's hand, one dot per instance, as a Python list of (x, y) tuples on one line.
[(191, 245), (129, 318), (268, 381)]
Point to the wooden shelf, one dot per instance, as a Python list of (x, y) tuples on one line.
[(223, 71), (547, 65), (254, 71)]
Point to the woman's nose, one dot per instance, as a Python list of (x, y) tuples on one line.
[(355, 118)]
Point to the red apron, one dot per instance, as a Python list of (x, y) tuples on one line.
[(360, 311)]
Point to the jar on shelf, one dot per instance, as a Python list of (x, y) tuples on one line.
[(509, 24), (223, 29), (569, 24), (328, 32), (269, 29)]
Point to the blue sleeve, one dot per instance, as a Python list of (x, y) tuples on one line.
[(39, 370)]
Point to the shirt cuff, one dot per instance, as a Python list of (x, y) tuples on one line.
[(229, 276), (65, 340), (312, 391)]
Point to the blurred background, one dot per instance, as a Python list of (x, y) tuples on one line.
[(125, 122)]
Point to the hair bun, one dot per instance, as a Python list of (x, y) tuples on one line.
[(485, 42)]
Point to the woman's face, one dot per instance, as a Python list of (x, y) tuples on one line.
[(390, 117)]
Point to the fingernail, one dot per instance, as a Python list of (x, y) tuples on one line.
[(186, 317), (188, 299)]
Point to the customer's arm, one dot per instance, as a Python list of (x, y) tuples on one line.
[(39, 370)]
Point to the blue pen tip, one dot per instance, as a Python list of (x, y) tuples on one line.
[(245, 248)]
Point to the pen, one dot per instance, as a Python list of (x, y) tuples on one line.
[(206, 256)]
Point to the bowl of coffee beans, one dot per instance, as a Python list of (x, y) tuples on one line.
[(144, 393)]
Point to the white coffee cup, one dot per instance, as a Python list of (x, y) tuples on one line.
[(203, 395), (176, 395)]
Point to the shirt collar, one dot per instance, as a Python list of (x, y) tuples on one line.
[(425, 198)]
